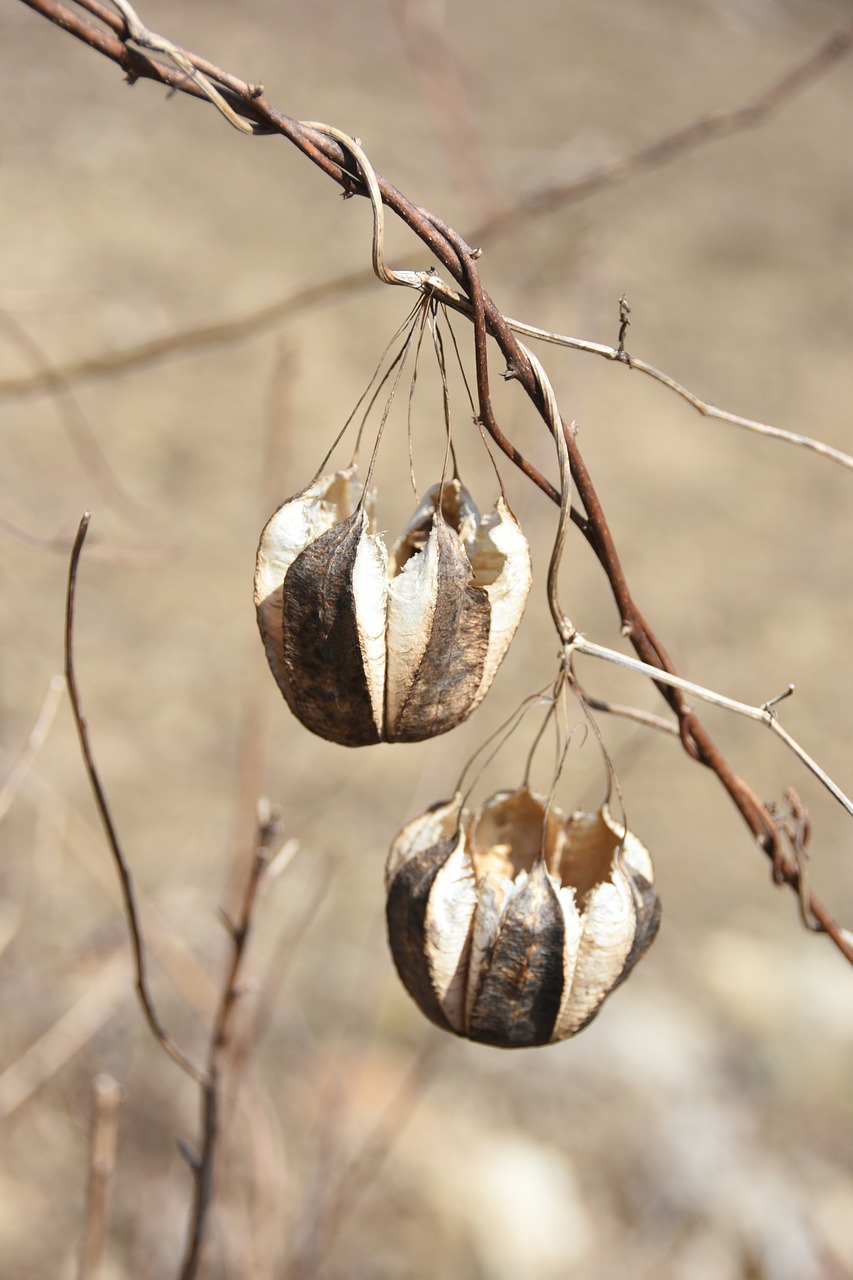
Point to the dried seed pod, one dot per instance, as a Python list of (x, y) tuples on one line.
[(370, 648), (511, 925)]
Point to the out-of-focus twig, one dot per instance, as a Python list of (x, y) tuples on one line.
[(328, 1215), (99, 553), (221, 333), (106, 1097), (63, 1038), (435, 62), (74, 421), (661, 151), (32, 746)]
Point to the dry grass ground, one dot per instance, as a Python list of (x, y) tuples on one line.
[(702, 1126)]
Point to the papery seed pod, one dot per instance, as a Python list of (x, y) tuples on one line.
[(370, 648), (511, 925)]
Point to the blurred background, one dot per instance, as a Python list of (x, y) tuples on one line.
[(701, 1126)]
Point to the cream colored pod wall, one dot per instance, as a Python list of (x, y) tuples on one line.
[(512, 924)]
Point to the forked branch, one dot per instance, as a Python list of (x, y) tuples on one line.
[(211, 1078)]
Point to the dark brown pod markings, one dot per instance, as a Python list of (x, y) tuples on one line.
[(369, 648), (505, 941), (320, 646)]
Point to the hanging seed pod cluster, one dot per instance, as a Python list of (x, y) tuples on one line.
[(370, 647), (512, 924), (509, 924)]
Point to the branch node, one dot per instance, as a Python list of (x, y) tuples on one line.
[(771, 702), (624, 324)]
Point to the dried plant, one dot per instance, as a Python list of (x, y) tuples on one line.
[(509, 923)]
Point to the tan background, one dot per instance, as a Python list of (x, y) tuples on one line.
[(702, 1126)]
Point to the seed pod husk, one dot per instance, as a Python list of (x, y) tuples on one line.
[(370, 648), (511, 925)]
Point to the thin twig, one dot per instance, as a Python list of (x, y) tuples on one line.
[(621, 356), (268, 829), (763, 714), (106, 1097), (646, 718), (663, 150), (128, 892)]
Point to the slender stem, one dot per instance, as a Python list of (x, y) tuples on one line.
[(764, 714), (125, 878), (707, 410), (205, 1168)]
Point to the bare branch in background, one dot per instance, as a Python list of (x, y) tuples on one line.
[(652, 155), (328, 1212), (435, 62), (222, 333), (32, 746), (73, 420), (264, 867), (97, 552), (106, 1097), (50, 1051)]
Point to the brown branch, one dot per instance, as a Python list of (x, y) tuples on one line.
[(205, 1166), (127, 888), (211, 1079), (451, 251), (72, 418), (651, 155)]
